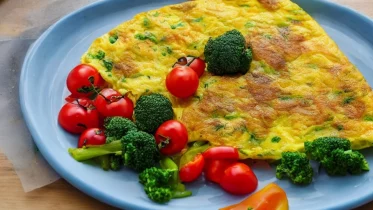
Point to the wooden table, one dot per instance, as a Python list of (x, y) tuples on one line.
[(61, 195)]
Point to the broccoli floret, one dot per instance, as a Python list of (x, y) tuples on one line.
[(140, 149), (336, 157), (155, 183), (322, 147), (227, 54), (137, 149), (151, 111), (296, 167), (156, 176), (158, 194), (162, 184), (356, 162), (340, 162), (117, 127), (116, 162)]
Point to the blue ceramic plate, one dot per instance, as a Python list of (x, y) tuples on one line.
[(42, 91)]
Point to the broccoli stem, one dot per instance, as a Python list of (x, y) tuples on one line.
[(181, 194), (91, 151), (178, 188), (168, 163), (199, 143), (104, 162)]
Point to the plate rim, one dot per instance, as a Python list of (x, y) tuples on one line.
[(89, 190)]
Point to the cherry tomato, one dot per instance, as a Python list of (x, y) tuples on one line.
[(92, 136), (70, 99), (192, 170), (77, 116), (239, 179), (171, 137), (182, 82), (82, 80), (221, 152), (110, 103), (197, 64), (214, 169)]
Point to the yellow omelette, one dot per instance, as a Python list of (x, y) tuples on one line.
[(300, 85)]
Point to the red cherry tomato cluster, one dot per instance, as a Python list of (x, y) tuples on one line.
[(220, 165), (84, 116), (183, 80), (222, 168)]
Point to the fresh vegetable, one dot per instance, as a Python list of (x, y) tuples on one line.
[(271, 197), (162, 184), (109, 162), (116, 162), (151, 111), (239, 179), (92, 151), (83, 80), (197, 64), (70, 98), (214, 169), (192, 170), (92, 136), (296, 167), (191, 153), (335, 156), (111, 103), (340, 162), (171, 137), (227, 54), (182, 82), (77, 116), (322, 147), (117, 127), (154, 180), (222, 152), (103, 162), (138, 150)]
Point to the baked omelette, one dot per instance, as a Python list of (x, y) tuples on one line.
[(300, 85)]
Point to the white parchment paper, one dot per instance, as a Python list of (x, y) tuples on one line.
[(21, 23)]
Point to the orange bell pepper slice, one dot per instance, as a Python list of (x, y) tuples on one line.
[(271, 197)]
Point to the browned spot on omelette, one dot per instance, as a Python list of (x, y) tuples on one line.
[(184, 7), (355, 110), (278, 48), (260, 87), (125, 68), (271, 4)]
